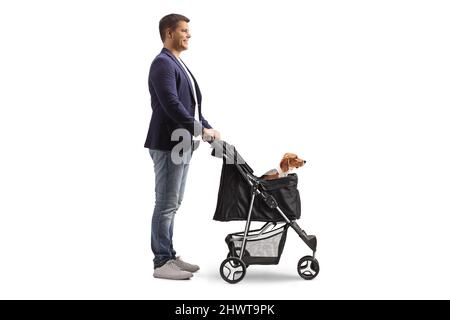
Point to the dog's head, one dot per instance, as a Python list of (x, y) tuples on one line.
[(290, 161)]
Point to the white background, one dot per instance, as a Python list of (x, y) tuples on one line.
[(360, 89)]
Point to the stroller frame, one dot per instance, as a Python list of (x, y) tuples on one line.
[(233, 268)]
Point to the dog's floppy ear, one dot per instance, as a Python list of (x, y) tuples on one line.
[(284, 165)]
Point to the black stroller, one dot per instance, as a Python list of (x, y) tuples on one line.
[(243, 196)]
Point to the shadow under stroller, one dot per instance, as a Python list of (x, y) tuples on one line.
[(244, 197)]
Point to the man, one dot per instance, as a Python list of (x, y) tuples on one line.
[(176, 103)]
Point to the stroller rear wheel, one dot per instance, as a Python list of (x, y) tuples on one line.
[(308, 267), (232, 270)]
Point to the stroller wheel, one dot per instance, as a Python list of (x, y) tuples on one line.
[(232, 270), (246, 253), (308, 267)]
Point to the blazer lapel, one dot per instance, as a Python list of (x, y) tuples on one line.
[(182, 69), (197, 89)]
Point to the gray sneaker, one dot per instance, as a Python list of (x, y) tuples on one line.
[(171, 271), (185, 266)]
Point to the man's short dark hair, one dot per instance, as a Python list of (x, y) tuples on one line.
[(170, 22)]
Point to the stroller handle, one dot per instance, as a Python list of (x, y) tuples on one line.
[(215, 142), (220, 148), (228, 152)]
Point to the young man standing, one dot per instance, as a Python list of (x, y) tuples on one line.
[(176, 104)]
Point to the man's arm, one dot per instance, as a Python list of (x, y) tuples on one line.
[(162, 77), (205, 123)]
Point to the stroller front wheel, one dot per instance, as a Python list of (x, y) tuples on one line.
[(246, 254), (308, 267), (232, 270)]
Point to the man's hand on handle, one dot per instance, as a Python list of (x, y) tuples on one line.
[(210, 134)]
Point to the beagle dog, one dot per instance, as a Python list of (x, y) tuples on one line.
[(289, 162)]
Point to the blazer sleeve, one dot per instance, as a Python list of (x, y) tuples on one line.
[(162, 77), (205, 123)]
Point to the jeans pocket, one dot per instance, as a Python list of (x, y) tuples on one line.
[(158, 155)]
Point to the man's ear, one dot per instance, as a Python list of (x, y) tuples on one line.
[(169, 33)]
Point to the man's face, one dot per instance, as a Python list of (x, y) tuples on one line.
[(180, 36)]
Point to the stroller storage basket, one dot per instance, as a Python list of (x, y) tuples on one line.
[(234, 197), (263, 248)]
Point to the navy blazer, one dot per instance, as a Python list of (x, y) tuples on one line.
[(172, 100)]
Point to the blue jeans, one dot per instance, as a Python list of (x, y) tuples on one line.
[(170, 179)]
